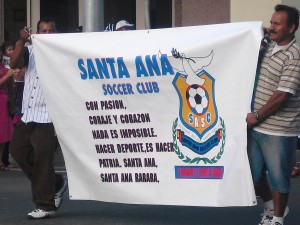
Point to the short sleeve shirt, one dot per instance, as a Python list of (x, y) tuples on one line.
[(280, 71)]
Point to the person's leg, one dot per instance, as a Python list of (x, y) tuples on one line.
[(257, 166), (295, 171), (258, 171), (2, 166), (5, 156), (43, 175), (279, 154), (280, 203), (21, 149), (264, 190)]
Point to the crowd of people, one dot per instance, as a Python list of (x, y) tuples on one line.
[(273, 124)]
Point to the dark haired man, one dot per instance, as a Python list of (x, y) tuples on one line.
[(275, 121), (34, 140)]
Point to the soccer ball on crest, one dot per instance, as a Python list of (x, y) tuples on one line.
[(197, 98)]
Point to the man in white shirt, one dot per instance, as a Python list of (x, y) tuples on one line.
[(34, 140)]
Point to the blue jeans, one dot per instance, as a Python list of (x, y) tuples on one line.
[(275, 154)]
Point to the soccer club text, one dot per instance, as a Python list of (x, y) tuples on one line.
[(128, 89)]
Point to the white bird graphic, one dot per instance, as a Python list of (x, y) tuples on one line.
[(190, 66)]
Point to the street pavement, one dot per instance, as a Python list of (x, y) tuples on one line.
[(15, 203)]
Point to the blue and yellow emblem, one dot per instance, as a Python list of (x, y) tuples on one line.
[(202, 129), (197, 111)]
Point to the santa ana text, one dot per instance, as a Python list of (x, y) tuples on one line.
[(115, 68)]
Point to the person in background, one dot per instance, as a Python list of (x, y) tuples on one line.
[(295, 171), (6, 125), (274, 124), (7, 48), (79, 29), (34, 140), (123, 25), (109, 27)]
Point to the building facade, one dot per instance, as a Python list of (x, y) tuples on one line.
[(145, 14)]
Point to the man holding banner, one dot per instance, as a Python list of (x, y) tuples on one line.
[(275, 120), (34, 138)]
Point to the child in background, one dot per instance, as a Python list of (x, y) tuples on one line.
[(7, 48)]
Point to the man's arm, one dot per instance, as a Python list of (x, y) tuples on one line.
[(16, 58), (273, 105)]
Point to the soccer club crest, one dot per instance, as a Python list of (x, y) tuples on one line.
[(201, 130)]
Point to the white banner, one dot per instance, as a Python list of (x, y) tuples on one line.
[(153, 116)]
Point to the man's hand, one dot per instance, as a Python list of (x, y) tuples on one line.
[(16, 58), (25, 34), (251, 120)]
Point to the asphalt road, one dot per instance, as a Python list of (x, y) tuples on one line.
[(15, 203)]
